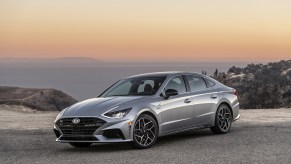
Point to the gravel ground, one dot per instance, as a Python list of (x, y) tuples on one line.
[(260, 136)]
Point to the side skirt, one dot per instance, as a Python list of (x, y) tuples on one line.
[(184, 130)]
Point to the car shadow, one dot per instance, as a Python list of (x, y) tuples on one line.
[(162, 141), (190, 135)]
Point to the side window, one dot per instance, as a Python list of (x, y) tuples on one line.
[(195, 82), (178, 84)]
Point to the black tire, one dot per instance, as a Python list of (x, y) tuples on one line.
[(145, 132), (223, 120), (80, 144)]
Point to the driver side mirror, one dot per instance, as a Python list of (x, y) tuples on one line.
[(170, 92)]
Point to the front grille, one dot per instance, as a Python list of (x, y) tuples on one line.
[(79, 138), (86, 126)]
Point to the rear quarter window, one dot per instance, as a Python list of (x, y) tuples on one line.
[(209, 83)]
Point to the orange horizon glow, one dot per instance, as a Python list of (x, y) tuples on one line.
[(130, 30)]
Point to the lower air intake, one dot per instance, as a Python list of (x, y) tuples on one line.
[(79, 138)]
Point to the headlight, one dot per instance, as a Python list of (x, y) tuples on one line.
[(61, 114), (118, 114)]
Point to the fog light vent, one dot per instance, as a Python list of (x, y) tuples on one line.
[(113, 133)]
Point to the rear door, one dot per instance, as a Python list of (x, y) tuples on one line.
[(204, 99)]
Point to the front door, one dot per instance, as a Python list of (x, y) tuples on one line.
[(177, 111)]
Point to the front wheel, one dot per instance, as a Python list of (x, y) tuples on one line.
[(145, 132), (80, 144), (223, 120)]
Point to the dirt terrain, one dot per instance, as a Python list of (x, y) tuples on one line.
[(21, 117), (259, 136)]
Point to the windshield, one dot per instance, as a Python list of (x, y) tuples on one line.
[(139, 86)]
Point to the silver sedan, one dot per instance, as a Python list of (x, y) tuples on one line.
[(141, 108)]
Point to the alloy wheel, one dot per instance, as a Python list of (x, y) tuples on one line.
[(224, 118), (145, 131)]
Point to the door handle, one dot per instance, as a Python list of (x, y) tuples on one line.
[(213, 96), (187, 101)]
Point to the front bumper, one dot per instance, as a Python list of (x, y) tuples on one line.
[(110, 130)]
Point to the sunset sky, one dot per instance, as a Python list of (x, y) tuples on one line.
[(147, 30)]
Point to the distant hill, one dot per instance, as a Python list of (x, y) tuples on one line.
[(259, 85), (40, 99)]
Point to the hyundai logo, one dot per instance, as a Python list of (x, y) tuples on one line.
[(76, 121)]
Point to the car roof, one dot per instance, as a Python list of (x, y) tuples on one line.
[(163, 74)]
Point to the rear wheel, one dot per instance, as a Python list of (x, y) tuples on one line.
[(80, 144), (145, 132), (223, 120)]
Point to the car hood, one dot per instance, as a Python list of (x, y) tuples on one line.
[(96, 106)]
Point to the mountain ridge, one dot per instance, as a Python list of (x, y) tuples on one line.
[(36, 98)]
